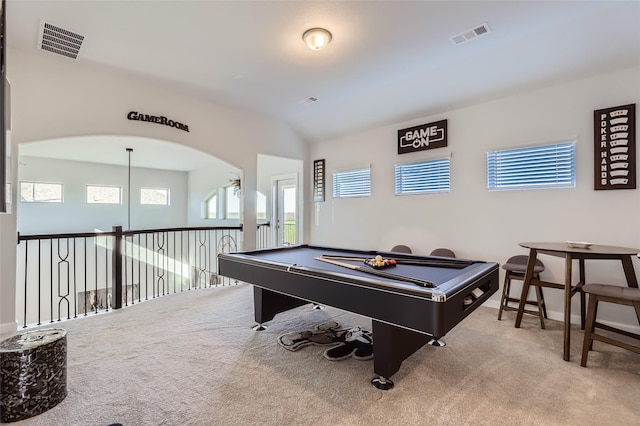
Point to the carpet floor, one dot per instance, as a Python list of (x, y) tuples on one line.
[(193, 359)]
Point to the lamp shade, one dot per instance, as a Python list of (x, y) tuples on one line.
[(316, 38)]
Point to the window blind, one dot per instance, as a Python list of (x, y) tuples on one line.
[(545, 166), (423, 177), (352, 183)]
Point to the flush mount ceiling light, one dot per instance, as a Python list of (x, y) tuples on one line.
[(316, 38)]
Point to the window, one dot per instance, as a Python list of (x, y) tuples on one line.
[(352, 183), (545, 166), (154, 196), (40, 192), (225, 204), (212, 207), (232, 203), (423, 177), (104, 194), (261, 206)]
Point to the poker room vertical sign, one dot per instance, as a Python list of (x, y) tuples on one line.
[(615, 147)]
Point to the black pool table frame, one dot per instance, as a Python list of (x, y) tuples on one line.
[(404, 316)]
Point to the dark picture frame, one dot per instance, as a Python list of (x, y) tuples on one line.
[(615, 147), (318, 180)]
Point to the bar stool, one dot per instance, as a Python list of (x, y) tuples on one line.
[(611, 294), (443, 252), (515, 268), (401, 248)]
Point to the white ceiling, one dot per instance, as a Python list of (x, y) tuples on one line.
[(389, 61)]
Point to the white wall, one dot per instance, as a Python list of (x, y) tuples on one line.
[(75, 215), (8, 244), (484, 225), (55, 97)]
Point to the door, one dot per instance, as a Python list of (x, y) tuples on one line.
[(286, 212)]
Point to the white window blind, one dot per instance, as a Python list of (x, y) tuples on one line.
[(352, 183), (423, 177), (545, 166)]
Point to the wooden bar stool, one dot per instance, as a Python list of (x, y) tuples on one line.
[(611, 294), (515, 267)]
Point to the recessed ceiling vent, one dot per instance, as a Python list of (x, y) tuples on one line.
[(58, 40), (470, 34)]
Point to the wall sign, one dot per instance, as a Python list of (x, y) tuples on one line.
[(158, 119), (615, 147), (425, 136), (318, 180)]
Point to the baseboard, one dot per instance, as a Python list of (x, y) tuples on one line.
[(575, 319), (8, 328)]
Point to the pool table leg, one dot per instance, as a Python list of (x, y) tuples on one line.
[(266, 304), (391, 346)]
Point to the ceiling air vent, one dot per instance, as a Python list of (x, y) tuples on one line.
[(309, 100), (58, 40), (470, 34)]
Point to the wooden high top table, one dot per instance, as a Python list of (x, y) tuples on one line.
[(570, 253)]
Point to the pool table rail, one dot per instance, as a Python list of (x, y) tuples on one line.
[(432, 311)]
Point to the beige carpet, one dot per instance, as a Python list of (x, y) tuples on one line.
[(193, 359)]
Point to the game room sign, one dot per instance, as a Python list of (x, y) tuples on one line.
[(158, 119), (615, 147), (425, 136)]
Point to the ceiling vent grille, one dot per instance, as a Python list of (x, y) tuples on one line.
[(470, 34), (58, 40), (309, 100)]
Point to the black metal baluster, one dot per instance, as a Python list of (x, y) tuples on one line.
[(108, 301), (213, 251), (153, 247), (95, 245), (175, 284), (146, 266), (190, 272), (160, 253), (133, 296), (139, 267), (85, 307), (39, 280), (181, 261), (203, 256), (26, 269), (51, 279), (61, 262), (75, 287), (126, 299)]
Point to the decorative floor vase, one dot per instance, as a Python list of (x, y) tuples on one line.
[(33, 373)]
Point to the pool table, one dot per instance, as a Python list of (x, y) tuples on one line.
[(405, 314)]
